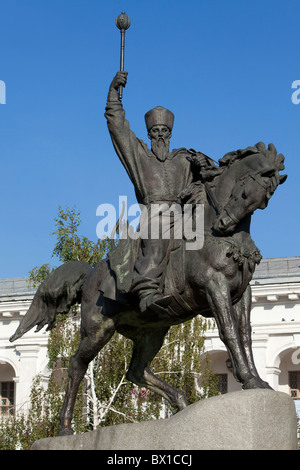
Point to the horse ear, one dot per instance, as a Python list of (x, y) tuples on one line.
[(282, 178), (261, 147), (272, 149), (279, 161)]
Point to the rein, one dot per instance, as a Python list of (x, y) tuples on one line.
[(258, 179), (218, 208)]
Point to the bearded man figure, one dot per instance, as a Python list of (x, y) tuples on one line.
[(158, 176)]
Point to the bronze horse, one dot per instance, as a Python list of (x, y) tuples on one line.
[(212, 281)]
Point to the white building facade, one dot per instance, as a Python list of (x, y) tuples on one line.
[(22, 360), (275, 320)]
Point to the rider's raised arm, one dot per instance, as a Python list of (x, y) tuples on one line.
[(124, 140)]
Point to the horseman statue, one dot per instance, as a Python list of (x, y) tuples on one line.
[(147, 284), (160, 179)]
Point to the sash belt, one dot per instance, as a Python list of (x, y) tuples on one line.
[(159, 198)]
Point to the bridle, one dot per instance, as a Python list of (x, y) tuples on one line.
[(243, 180)]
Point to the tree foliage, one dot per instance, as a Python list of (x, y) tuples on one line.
[(105, 397), (70, 246)]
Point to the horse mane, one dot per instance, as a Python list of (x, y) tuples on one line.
[(275, 160), (211, 173), (216, 169), (236, 155)]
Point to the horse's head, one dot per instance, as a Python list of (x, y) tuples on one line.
[(252, 191)]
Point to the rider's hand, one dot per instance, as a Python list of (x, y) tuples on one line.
[(120, 79), (201, 159), (197, 158)]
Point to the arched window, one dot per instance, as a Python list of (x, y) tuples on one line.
[(7, 390), (294, 383)]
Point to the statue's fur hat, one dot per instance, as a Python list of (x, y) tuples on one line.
[(159, 116)]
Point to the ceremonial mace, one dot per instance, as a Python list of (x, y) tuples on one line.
[(123, 23)]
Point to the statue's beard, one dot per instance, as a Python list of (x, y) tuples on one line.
[(160, 148)]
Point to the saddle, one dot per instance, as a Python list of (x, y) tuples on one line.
[(121, 260)]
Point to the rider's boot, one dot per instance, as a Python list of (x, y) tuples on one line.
[(149, 294), (154, 301)]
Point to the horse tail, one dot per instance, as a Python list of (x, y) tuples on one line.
[(56, 295)]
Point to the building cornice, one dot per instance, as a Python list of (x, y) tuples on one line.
[(276, 292)]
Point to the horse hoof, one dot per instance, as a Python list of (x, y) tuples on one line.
[(256, 383), (182, 402), (66, 431), (266, 385)]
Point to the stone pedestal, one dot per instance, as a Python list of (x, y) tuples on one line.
[(246, 420)]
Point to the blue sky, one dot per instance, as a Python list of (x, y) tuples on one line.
[(225, 68)]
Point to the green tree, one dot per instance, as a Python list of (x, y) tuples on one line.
[(106, 397), (70, 246)]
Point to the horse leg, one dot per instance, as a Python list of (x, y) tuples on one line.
[(95, 333), (219, 298), (145, 348), (242, 311)]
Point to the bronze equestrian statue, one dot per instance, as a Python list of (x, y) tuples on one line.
[(145, 287)]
